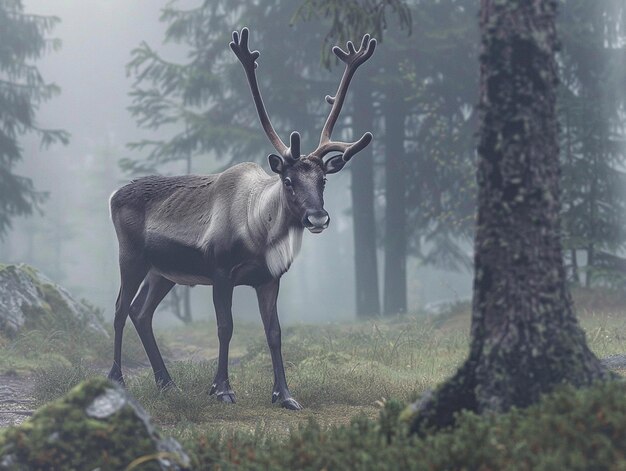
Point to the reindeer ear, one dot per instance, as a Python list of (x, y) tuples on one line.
[(334, 164), (277, 163)]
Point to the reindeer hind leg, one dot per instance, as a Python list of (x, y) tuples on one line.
[(132, 273), (155, 288)]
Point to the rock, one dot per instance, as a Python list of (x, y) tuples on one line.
[(29, 299), (97, 425)]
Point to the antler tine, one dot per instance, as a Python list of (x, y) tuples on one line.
[(358, 146), (294, 145), (239, 45), (353, 59)]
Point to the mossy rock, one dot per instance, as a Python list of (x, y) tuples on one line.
[(30, 300), (95, 426)]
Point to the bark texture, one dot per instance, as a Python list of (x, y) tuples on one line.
[(395, 298), (364, 223), (525, 339)]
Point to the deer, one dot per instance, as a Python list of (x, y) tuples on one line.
[(238, 227)]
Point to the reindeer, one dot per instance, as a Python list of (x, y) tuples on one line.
[(238, 227)]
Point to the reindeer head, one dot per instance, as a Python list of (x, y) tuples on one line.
[(304, 177)]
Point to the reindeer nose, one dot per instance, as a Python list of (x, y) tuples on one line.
[(316, 221)]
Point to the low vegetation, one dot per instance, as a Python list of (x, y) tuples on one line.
[(570, 429), (62, 347), (336, 371), (354, 380)]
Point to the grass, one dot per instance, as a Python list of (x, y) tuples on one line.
[(64, 346), (337, 371), (606, 331)]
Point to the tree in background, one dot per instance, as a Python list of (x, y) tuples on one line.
[(23, 40), (592, 111), (423, 94), (201, 106), (525, 339), (349, 20), (441, 190)]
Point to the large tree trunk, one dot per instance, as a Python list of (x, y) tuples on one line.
[(364, 223), (524, 336), (395, 298)]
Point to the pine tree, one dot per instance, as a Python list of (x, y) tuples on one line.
[(23, 40), (591, 110)]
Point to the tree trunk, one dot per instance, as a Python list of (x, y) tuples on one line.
[(525, 339), (575, 272), (187, 319), (569, 156), (395, 296), (181, 295), (591, 260), (364, 223)]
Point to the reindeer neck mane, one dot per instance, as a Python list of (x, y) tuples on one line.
[(271, 223)]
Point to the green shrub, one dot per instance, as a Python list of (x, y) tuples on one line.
[(569, 429)]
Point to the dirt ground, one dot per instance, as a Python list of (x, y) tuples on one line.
[(16, 401)]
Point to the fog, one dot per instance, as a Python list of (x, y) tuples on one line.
[(73, 240)]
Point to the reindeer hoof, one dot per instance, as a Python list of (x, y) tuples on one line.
[(115, 375), (224, 394), (287, 403), (291, 404), (166, 386), (228, 397)]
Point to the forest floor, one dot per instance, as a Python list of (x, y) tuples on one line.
[(16, 399), (336, 371)]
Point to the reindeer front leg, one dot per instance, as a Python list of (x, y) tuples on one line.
[(223, 300), (267, 295)]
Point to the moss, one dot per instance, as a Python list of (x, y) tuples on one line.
[(30, 271), (53, 310), (95, 426)]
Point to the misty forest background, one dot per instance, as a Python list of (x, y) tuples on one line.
[(104, 91)]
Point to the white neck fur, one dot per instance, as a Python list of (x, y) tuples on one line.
[(270, 221)]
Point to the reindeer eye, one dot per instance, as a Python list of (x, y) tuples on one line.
[(287, 182)]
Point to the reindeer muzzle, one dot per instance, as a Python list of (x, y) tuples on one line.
[(316, 221)]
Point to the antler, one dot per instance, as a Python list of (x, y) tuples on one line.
[(353, 59), (239, 45)]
